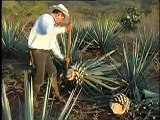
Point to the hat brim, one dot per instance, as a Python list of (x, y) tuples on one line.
[(66, 19)]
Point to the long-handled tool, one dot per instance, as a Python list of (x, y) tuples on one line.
[(68, 49)]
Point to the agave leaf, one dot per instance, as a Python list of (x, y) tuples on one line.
[(5, 104), (93, 63), (44, 112), (151, 95), (97, 62), (66, 107), (90, 72), (107, 79), (116, 68), (99, 82), (149, 62), (88, 62), (81, 42), (105, 68), (136, 93), (68, 113), (29, 111), (92, 85), (88, 90), (126, 60)]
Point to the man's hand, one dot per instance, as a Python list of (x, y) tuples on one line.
[(67, 60), (69, 27)]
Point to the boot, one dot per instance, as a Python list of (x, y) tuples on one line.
[(56, 92)]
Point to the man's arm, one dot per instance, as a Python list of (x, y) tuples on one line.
[(56, 50)]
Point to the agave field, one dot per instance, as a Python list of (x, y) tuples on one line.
[(113, 72)]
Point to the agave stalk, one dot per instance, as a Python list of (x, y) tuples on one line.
[(136, 66), (104, 32), (5, 104)]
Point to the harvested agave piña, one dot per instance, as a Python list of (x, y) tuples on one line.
[(76, 74), (120, 104)]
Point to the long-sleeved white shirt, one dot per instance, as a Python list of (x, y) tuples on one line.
[(44, 35)]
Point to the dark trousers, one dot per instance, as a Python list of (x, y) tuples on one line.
[(43, 63)]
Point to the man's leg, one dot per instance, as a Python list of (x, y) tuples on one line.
[(51, 69), (39, 57)]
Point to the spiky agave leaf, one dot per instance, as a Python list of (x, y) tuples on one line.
[(45, 111), (94, 74), (120, 104), (29, 110), (5, 104), (69, 105)]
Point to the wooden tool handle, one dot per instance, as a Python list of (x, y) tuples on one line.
[(68, 42)]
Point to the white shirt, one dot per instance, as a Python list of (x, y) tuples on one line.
[(44, 35)]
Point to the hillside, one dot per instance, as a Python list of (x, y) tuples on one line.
[(26, 12)]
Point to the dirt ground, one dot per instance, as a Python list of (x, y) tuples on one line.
[(84, 108)]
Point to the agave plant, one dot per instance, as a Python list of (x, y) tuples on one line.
[(94, 75), (135, 68), (28, 113), (12, 39), (104, 32)]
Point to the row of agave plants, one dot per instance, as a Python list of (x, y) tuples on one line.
[(128, 82)]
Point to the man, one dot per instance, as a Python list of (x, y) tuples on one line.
[(41, 40)]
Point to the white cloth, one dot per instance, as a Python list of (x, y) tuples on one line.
[(44, 35)]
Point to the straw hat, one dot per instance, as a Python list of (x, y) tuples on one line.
[(63, 9)]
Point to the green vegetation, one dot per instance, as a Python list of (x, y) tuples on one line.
[(12, 39), (135, 66), (128, 62), (131, 17)]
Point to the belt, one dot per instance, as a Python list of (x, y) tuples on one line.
[(38, 49)]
